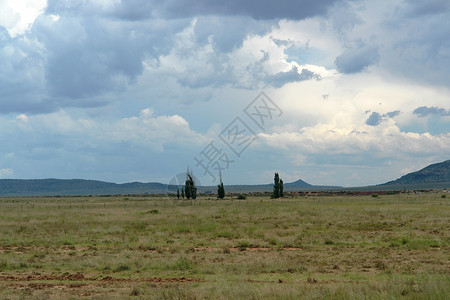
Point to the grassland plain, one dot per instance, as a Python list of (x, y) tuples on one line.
[(339, 247)]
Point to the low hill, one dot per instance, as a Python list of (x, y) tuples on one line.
[(56, 187), (298, 184), (438, 173)]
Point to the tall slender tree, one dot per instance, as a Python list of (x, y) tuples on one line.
[(182, 192), (194, 191), (276, 187), (178, 193), (281, 188), (189, 188), (187, 185), (220, 188)]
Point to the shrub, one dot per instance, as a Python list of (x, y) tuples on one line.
[(3, 264), (122, 268), (241, 197), (243, 244), (272, 241), (182, 264), (135, 291), (375, 195)]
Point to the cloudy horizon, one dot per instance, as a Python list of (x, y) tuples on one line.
[(355, 92)]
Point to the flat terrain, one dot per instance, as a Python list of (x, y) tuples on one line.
[(339, 247)]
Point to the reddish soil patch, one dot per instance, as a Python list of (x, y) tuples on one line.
[(81, 277), (237, 249)]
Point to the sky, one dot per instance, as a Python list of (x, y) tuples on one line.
[(333, 92)]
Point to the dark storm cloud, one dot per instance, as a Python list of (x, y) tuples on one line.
[(228, 33), (356, 60), (97, 48), (424, 111), (427, 7), (344, 18), (260, 10), (85, 57), (419, 32), (70, 62), (21, 69), (144, 9)]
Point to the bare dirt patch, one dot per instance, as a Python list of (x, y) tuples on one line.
[(81, 277)]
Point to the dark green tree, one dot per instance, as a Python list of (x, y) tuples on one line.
[(189, 188), (276, 187), (220, 189), (281, 188), (182, 192), (194, 192), (178, 193)]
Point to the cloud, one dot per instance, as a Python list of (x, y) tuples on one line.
[(259, 62), (64, 145), (260, 10), (424, 111), (61, 130), (6, 172), (355, 60), (153, 131), (345, 17), (22, 117), (79, 54), (21, 74), (427, 7), (375, 118), (137, 10), (293, 75), (392, 114), (226, 33), (147, 129), (86, 57), (415, 43), (17, 16), (69, 60), (384, 140)]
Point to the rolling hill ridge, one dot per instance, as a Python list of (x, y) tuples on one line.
[(435, 173), (435, 176)]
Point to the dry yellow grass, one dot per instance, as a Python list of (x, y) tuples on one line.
[(320, 247)]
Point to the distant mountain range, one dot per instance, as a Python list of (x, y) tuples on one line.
[(55, 187), (432, 177)]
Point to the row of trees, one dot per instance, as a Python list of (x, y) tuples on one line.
[(190, 190)]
